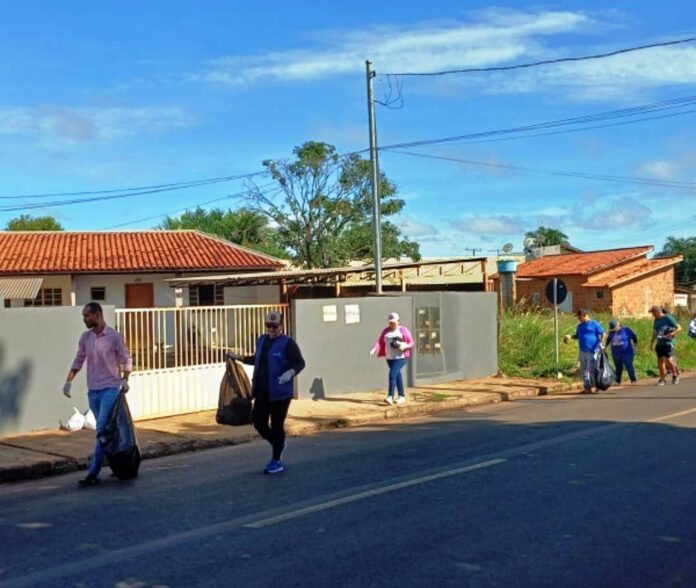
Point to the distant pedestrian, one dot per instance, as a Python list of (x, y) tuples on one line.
[(589, 334), (692, 327), (394, 343), (622, 342), (277, 361), (108, 366), (665, 329)]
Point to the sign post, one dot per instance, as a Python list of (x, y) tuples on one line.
[(556, 293)]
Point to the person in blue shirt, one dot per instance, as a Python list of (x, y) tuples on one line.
[(622, 341), (589, 334)]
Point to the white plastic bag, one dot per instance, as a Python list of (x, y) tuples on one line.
[(90, 420), (75, 422)]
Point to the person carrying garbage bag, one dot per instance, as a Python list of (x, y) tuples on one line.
[(109, 365), (276, 362)]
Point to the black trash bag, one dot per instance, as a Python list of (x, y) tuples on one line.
[(234, 403), (604, 373), (119, 441)]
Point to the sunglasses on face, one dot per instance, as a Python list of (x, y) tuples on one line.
[(271, 326)]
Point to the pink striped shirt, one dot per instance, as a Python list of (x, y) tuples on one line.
[(106, 355)]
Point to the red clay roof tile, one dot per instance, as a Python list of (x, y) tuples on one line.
[(579, 263), (33, 252)]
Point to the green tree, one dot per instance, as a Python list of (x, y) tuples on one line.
[(546, 236), (243, 226), (323, 214), (27, 222), (684, 272)]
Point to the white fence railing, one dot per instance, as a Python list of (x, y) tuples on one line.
[(160, 338)]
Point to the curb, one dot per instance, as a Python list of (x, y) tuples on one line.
[(180, 444)]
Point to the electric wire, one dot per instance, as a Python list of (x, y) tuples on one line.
[(543, 62), (603, 177)]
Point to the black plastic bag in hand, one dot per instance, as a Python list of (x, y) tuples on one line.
[(234, 403), (604, 373), (119, 441)]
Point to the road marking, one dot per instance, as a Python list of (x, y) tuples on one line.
[(370, 493), (674, 415)]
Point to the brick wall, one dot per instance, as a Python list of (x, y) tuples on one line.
[(634, 298), (582, 297)]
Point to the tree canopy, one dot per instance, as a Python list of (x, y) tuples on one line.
[(684, 272), (546, 236), (321, 207), (27, 222), (243, 226)]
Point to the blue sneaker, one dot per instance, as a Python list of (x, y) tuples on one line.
[(273, 467)]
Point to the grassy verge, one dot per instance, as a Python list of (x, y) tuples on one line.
[(526, 346)]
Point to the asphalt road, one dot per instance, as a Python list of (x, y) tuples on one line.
[(570, 491)]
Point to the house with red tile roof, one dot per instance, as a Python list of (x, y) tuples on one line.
[(126, 268), (621, 281)]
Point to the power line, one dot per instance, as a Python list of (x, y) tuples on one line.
[(635, 111), (546, 61), (608, 178), (156, 216), (159, 187)]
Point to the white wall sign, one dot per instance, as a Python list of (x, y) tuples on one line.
[(352, 313), (329, 313)]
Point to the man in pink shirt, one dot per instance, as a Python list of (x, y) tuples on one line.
[(108, 367)]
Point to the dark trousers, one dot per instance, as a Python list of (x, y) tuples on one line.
[(621, 361), (265, 410)]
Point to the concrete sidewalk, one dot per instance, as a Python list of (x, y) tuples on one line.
[(51, 452)]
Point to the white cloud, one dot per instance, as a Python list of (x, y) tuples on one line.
[(81, 125), (662, 170), (613, 77), (415, 229), (612, 214), (490, 225), (496, 37)]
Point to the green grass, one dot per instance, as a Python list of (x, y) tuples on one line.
[(526, 346)]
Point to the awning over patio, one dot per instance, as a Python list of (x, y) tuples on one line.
[(20, 288)]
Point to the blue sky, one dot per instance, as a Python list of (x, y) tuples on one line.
[(112, 95)]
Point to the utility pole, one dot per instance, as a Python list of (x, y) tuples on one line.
[(374, 164)]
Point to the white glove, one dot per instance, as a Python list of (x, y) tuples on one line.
[(234, 356), (403, 346), (285, 377), (124, 386), (373, 351), (66, 388), (567, 338)]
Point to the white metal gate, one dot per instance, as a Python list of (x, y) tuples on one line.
[(179, 353)]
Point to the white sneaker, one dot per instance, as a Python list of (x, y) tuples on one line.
[(401, 400), (389, 400)]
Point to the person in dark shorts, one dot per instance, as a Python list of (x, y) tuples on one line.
[(665, 329)]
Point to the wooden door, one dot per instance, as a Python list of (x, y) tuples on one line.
[(140, 295), (139, 328)]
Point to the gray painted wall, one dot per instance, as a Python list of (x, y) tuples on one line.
[(337, 353), (37, 346)]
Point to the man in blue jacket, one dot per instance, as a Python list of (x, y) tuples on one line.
[(589, 334), (276, 362)]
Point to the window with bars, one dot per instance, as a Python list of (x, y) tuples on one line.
[(98, 294), (206, 295), (46, 297)]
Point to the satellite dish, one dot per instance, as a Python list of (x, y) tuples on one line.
[(529, 242), (507, 248)]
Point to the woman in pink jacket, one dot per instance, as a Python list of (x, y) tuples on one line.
[(394, 343)]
